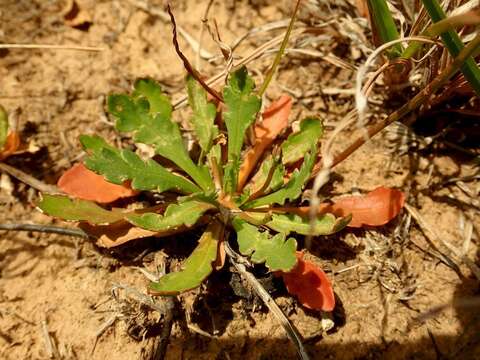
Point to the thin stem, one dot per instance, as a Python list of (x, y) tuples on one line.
[(45, 229), (280, 52), (50, 47), (28, 179), (292, 333)]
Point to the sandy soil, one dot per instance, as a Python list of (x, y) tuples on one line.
[(56, 298)]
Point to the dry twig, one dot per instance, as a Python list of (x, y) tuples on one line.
[(292, 333)]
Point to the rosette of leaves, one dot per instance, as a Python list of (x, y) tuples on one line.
[(252, 189)]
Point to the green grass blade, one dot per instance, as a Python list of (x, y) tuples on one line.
[(454, 45), (384, 26), (3, 126)]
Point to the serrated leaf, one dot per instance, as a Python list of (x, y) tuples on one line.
[(277, 253), (242, 106), (148, 114), (292, 189), (195, 269), (118, 166), (159, 104), (186, 213), (204, 114), (324, 224), (3, 127), (297, 144), (77, 210)]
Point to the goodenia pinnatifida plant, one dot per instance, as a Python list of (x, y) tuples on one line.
[(206, 187)]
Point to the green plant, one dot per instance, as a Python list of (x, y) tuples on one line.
[(206, 186)]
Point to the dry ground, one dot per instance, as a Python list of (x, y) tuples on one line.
[(61, 286)]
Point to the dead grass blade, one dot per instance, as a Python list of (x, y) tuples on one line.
[(187, 64)]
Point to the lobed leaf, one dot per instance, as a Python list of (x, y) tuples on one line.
[(118, 166), (276, 252), (184, 214), (292, 189), (242, 106), (310, 285), (297, 144), (324, 224), (204, 114), (195, 269), (77, 210), (82, 183), (148, 114)]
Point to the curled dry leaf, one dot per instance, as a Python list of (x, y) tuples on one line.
[(310, 285), (121, 232), (275, 120), (84, 184)]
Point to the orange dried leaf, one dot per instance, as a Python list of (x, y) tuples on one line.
[(310, 285), (83, 183), (376, 208), (11, 145), (275, 120)]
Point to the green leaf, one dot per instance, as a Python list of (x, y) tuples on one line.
[(292, 189), (242, 106), (118, 166), (261, 176), (148, 114), (297, 144), (323, 225), (78, 210), (159, 104), (277, 253), (3, 127), (195, 269), (204, 114), (176, 215)]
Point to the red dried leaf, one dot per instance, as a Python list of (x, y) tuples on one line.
[(11, 145), (275, 120), (310, 285), (83, 183)]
